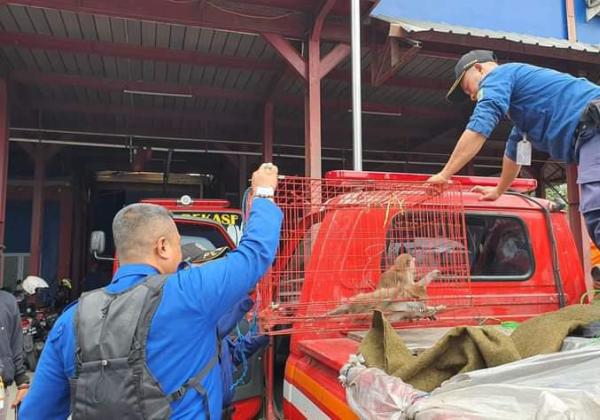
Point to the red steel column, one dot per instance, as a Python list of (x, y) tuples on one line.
[(574, 216), (66, 233), (3, 168), (312, 111), (268, 132), (37, 214)]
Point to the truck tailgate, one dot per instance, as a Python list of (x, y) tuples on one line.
[(332, 352)]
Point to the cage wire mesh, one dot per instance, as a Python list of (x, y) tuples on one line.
[(349, 247)]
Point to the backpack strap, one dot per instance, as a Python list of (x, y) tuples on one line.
[(195, 383)]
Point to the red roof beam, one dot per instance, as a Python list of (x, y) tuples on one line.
[(43, 79), (55, 79), (341, 7), (234, 18), (115, 49)]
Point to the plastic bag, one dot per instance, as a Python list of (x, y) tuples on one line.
[(372, 394), (552, 386)]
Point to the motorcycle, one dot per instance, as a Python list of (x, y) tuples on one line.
[(29, 350), (38, 314)]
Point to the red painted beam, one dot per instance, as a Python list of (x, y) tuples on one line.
[(341, 7), (59, 79), (515, 49), (319, 21), (140, 112), (268, 122), (37, 212), (116, 49), (369, 107), (155, 113), (394, 132), (423, 83), (312, 112), (333, 58), (113, 49), (65, 240), (35, 78), (287, 51), (574, 215), (4, 123), (226, 17)]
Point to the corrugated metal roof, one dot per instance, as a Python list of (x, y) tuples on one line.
[(424, 26)]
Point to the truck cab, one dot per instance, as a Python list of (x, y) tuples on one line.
[(520, 256)]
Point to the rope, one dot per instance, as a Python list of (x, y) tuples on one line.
[(400, 204), (240, 348), (587, 294)]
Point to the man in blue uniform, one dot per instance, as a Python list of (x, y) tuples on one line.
[(551, 111), (181, 337)]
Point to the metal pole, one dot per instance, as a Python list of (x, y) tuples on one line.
[(356, 92)]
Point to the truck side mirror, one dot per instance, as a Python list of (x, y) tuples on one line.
[(98, 244)]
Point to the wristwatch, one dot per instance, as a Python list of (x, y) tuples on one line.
[(264, 192)]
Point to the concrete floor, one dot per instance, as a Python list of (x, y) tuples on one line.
[(13, 391)]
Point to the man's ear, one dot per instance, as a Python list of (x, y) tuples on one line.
[(162, 247), (478, 67)]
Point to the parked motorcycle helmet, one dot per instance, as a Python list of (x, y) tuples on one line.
[(32, 283)]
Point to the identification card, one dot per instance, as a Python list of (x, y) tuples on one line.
[(524, 152)]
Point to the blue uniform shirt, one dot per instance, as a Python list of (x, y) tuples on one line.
[(542, 103), (182, 336)]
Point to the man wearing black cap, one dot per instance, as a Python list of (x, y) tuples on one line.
[(551, 111)]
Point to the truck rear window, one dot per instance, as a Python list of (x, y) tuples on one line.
[(499, 248)]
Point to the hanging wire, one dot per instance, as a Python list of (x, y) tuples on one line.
[(246, 15)]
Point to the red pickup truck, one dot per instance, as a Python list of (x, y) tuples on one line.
[(520, 259)]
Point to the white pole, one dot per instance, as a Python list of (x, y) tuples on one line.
[(356, 93)]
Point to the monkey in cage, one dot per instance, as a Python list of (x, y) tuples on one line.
[(395, 291)]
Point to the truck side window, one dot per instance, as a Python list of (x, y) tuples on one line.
[(498, 247)]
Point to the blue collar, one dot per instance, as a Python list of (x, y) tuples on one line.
[(129, 275)]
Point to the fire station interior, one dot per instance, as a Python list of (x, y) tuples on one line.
[(106, 110)]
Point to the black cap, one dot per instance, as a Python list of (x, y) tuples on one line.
[(456, 94), (197, 253)]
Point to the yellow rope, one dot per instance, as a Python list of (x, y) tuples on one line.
[(398, 201)]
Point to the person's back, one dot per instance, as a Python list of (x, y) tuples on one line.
[(12, 369), (182, 335), (543, 103)]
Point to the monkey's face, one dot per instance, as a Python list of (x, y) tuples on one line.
[(405, 262)]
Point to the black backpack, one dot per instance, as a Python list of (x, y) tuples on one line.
[(112, 379)]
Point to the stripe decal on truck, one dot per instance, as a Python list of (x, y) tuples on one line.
[(301, 402), (305, 393)]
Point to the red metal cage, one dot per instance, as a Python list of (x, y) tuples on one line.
[(340, 235)]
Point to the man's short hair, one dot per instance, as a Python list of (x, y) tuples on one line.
[(137, 226)]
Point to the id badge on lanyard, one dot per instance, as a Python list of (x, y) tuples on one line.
[(524, 152)]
